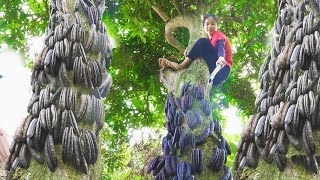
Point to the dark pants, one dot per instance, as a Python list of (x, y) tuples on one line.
[(204, 49)]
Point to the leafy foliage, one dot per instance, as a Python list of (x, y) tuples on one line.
[(115, 153), (21, 19)]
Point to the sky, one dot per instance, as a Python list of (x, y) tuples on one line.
[(15, 91)]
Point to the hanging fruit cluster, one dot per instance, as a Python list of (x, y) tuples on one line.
[(190, 126), (288, 102), (69, 83)]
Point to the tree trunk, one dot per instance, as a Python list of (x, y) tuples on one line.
[(194, 146), (60, 137), (281, 140)]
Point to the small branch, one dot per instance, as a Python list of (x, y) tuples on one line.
[(209, 6), (203, 7), (176, 6), (229, 19), (161, 13)]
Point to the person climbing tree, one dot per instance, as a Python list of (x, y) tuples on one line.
[(215, 50)]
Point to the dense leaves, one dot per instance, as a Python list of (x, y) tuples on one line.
[(247, 30), (20, 19)]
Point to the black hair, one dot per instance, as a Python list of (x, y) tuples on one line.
[(210, 15)]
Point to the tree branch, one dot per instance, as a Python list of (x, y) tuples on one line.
[(161, 13), (176, 6), (171, 25), (207, 7), (229, 19)]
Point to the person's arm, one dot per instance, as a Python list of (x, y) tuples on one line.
[(221, 53), (220, 48)]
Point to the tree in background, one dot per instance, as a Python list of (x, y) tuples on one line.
[(280, 139), (70, 79), (139, 33)]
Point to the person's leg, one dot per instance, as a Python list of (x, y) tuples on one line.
[(164, 63), (221, 76), (203, 48)]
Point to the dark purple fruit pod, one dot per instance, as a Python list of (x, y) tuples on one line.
[(176, 135), (215, 157), (198, 92), (178, 118), (226, 174), (185, 88), (201, 92), (178, 103), (170, 127), (195, 90), (161, 163), (153, 164), (217, 128), (182, 141), (170, 102), (183, 170), (170, 144), (187, 140), (206, 107), (165, 147), (203, 137), (200, 161), (186, 103)]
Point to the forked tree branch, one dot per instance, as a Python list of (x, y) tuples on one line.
[(178, 21), (161, 13)]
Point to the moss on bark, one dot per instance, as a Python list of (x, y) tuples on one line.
[(63, 170), (293, 170)]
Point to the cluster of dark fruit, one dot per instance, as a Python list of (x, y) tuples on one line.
[(68, 90), (288, 102), (185, 116)]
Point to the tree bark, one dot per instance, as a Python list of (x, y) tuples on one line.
[(284, 132), (196, 75), (188, 112), (60, 137)]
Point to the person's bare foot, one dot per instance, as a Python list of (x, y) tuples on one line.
[(164, 63)]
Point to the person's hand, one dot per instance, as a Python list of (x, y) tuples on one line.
[(221, 61)]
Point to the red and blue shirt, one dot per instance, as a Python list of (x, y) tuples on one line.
[(222, 44)]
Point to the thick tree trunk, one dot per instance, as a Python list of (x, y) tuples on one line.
[(281, 140), (60, 137), (194, 146)]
